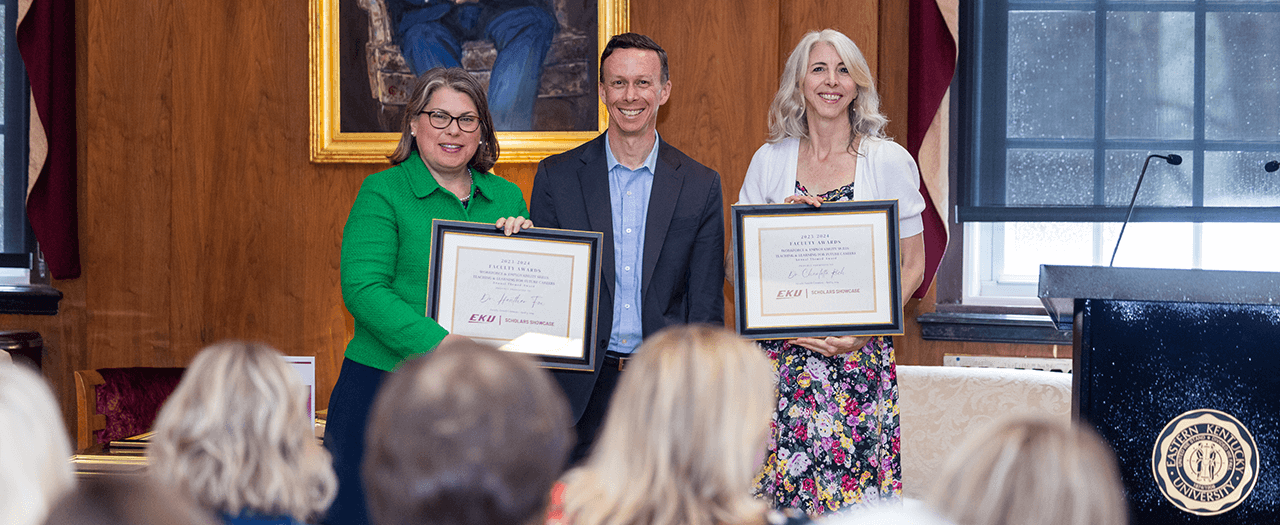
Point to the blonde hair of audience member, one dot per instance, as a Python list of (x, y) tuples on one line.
[(236, 435), (35, 450), (787, 112), (465, 434), (683, 438), (1031, 470), (127, 500)]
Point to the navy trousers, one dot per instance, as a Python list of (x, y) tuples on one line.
[(349, 407)]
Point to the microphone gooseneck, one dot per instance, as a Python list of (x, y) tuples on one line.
[(1171, 159)]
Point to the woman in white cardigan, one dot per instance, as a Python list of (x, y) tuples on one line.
[(835, 434)]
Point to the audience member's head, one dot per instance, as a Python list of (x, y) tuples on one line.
[(127, 500), (465, 435), (237, 436), (1031, 470), (35, 451), (684, 436), (910, 512)]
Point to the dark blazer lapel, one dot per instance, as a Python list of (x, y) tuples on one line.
[(593, 178), (662, 205)]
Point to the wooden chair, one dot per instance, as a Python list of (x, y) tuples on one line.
[(88, 420), (134, 397)]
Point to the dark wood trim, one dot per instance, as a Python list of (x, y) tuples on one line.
[(992, 327), (34, 299)]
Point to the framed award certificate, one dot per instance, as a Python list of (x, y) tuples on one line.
[(535, 292), (802, 271)]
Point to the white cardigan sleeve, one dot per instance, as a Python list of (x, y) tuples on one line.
[(890, 173), (893, 175), (771, 177)]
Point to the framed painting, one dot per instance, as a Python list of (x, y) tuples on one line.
[(538, 59)]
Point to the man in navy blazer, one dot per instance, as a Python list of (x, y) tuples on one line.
[(661, 214)]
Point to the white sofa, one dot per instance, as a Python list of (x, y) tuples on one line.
[(940, 405)]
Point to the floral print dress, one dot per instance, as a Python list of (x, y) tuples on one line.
[(835, 437)]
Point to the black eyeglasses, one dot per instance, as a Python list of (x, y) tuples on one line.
[(441, 120)]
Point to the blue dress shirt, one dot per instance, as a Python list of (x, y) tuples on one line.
[(629, 200)]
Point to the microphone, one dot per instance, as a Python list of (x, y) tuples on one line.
[(1171, 159), (1272, 166)]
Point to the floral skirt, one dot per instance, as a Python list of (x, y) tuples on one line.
[(835, 438)]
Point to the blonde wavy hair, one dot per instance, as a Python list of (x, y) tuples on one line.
[(34, 448), (683, 438), (1031, 470), (787, 118), (236, 435)]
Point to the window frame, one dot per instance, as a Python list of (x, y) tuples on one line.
[(961, 317), (16, 230), (981, 69), (24, 281)]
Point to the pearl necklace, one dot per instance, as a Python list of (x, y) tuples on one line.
[(471, 182)]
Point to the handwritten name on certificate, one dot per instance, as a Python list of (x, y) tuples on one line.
[(500, 295), (828, 270)]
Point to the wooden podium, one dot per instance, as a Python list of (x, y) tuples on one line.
[(1179, 370)]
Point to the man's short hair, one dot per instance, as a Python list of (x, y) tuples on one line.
[(466, 434), (634, 41)]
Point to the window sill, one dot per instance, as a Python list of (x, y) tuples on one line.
[(29, 299), (992, 327)]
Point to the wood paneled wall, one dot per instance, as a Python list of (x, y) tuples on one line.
[(202, 219)]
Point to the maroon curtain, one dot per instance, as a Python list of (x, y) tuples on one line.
[(47, 40), (932, 63)]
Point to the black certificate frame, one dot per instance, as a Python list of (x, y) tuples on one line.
[(782, 215), (589, 296)]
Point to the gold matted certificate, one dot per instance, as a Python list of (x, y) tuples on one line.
[(534, 292), (802, 271)]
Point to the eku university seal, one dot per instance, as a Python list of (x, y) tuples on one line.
[(1205, 462)]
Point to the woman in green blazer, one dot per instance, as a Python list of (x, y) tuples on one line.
[(447, 147)]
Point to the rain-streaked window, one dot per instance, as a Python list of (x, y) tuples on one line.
[(1060, 102)]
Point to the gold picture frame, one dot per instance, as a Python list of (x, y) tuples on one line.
[(329, 144)]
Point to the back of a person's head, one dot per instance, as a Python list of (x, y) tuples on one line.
[(35, 451), (684, 435), (236, 435), (465, 435), (888, 514), (126, 500), (1031, 470)]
